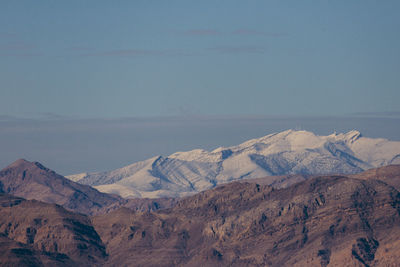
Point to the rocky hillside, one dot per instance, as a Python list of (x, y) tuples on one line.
[(323, 221), (31, 180), (34, 233)]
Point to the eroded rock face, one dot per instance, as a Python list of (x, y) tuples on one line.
[(15, 253), (37, 233), (324, 221)]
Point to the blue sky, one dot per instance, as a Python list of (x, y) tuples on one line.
[(111, 59), (90, 85)]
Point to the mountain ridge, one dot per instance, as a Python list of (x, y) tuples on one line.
[(285, 153), (333, 220), (32, 180), (322, 221)]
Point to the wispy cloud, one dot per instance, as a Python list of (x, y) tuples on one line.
[(16, 46), (8, 35), (202, 32), (12, 45), (126, 52), (383, 114), (136, 53), (80, 48), (18, 50), (7, 117), (21, 55), (241, 31), (53, 116), (238, 49), (256, 32)]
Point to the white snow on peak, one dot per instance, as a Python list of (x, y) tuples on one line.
[(77, 177), (287, 152)]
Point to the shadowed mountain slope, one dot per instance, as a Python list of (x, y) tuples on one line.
[(323, 221)]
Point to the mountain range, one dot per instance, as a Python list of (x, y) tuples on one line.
[(296, 153), (33, 181), (335, 220), (285, 212)]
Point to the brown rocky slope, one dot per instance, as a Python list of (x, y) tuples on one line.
[(31, 180), (323, 221), (34, 233)]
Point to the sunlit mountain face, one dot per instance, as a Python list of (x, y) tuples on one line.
[(290, 152)]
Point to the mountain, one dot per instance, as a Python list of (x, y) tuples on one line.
[(286, 153), (31, 180), (322, 221), (34, 233)]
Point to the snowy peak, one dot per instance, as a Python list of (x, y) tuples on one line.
[(353, 135), (284, 153)]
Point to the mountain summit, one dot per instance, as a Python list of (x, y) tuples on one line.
[(31, 180), (284, 153)]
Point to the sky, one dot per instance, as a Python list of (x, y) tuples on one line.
[(112, 59), (92, 85)]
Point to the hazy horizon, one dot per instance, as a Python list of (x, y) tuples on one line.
[(71, 146)]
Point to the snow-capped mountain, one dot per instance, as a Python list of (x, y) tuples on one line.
[(288, 152)]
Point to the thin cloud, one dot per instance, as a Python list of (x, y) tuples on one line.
[(127, 52), (8, 35), (11, 46), (53, 116), (238, 49), (202, 32), (384, 114), (18, 49), (241, 31), (16, 46), (80, 48), (255, 32), (7, 117), (136, 53), (22, 55)]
